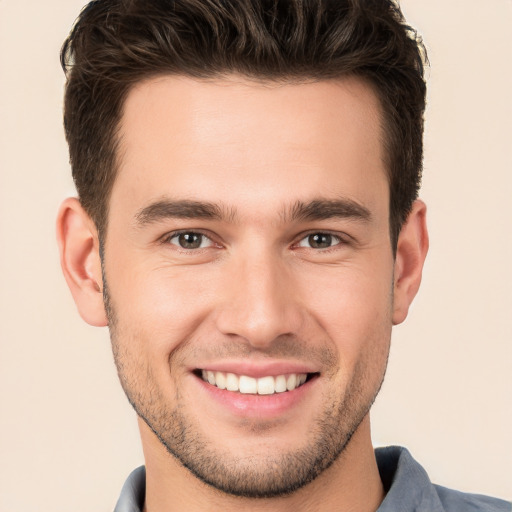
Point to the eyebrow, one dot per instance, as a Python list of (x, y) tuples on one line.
[(317, 209), (182, 209), (323, 209)]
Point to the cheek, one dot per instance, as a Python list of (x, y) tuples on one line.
[(159, 307), (353, 297), (354, 307)]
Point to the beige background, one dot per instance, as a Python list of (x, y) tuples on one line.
[(67, 435)]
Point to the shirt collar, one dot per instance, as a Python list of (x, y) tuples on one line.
[(133, 492), (406, 483)]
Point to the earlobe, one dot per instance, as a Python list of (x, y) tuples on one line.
[(80, 260), (411, 252)]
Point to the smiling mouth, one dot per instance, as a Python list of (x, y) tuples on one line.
[(267, 385)]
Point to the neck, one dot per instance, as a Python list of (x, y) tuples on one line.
[(351, 483)]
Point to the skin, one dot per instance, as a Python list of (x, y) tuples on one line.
[(256, 292)]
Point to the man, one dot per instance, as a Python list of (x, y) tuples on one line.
[(248, 227)]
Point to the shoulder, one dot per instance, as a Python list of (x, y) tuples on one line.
[(408, 488), (456, 501)]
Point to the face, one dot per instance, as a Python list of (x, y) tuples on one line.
[(249, 273)]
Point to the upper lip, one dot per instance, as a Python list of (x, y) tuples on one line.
[(257, 370)]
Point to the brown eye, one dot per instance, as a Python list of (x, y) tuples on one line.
[(319, 241), (190, 240)]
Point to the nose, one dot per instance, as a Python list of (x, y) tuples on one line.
[(260, 302)]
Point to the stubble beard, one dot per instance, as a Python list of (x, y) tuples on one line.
[(267, 475)]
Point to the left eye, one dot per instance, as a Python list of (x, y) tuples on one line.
[(319, 241), (190, 240)]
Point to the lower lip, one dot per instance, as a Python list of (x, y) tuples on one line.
[(257, 406)]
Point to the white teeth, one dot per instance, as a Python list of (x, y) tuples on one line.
[(291, 382), (231, 382), (248, 385), (266, 386), (220, 380), (280, 385)]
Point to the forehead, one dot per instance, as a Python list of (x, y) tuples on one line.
[(233, 140)]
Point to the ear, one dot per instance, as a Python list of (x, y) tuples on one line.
[(411, 252), (78, 242)]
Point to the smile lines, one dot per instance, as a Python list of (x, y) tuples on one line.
[(248, 385)]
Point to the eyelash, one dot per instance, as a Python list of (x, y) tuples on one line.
[(167, 239), (337, 238)]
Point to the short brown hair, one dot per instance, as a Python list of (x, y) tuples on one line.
[(117, 43)]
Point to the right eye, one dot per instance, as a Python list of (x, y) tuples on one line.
[(320, 241)]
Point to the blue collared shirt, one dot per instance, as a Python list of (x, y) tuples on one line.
[(408, 489)]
